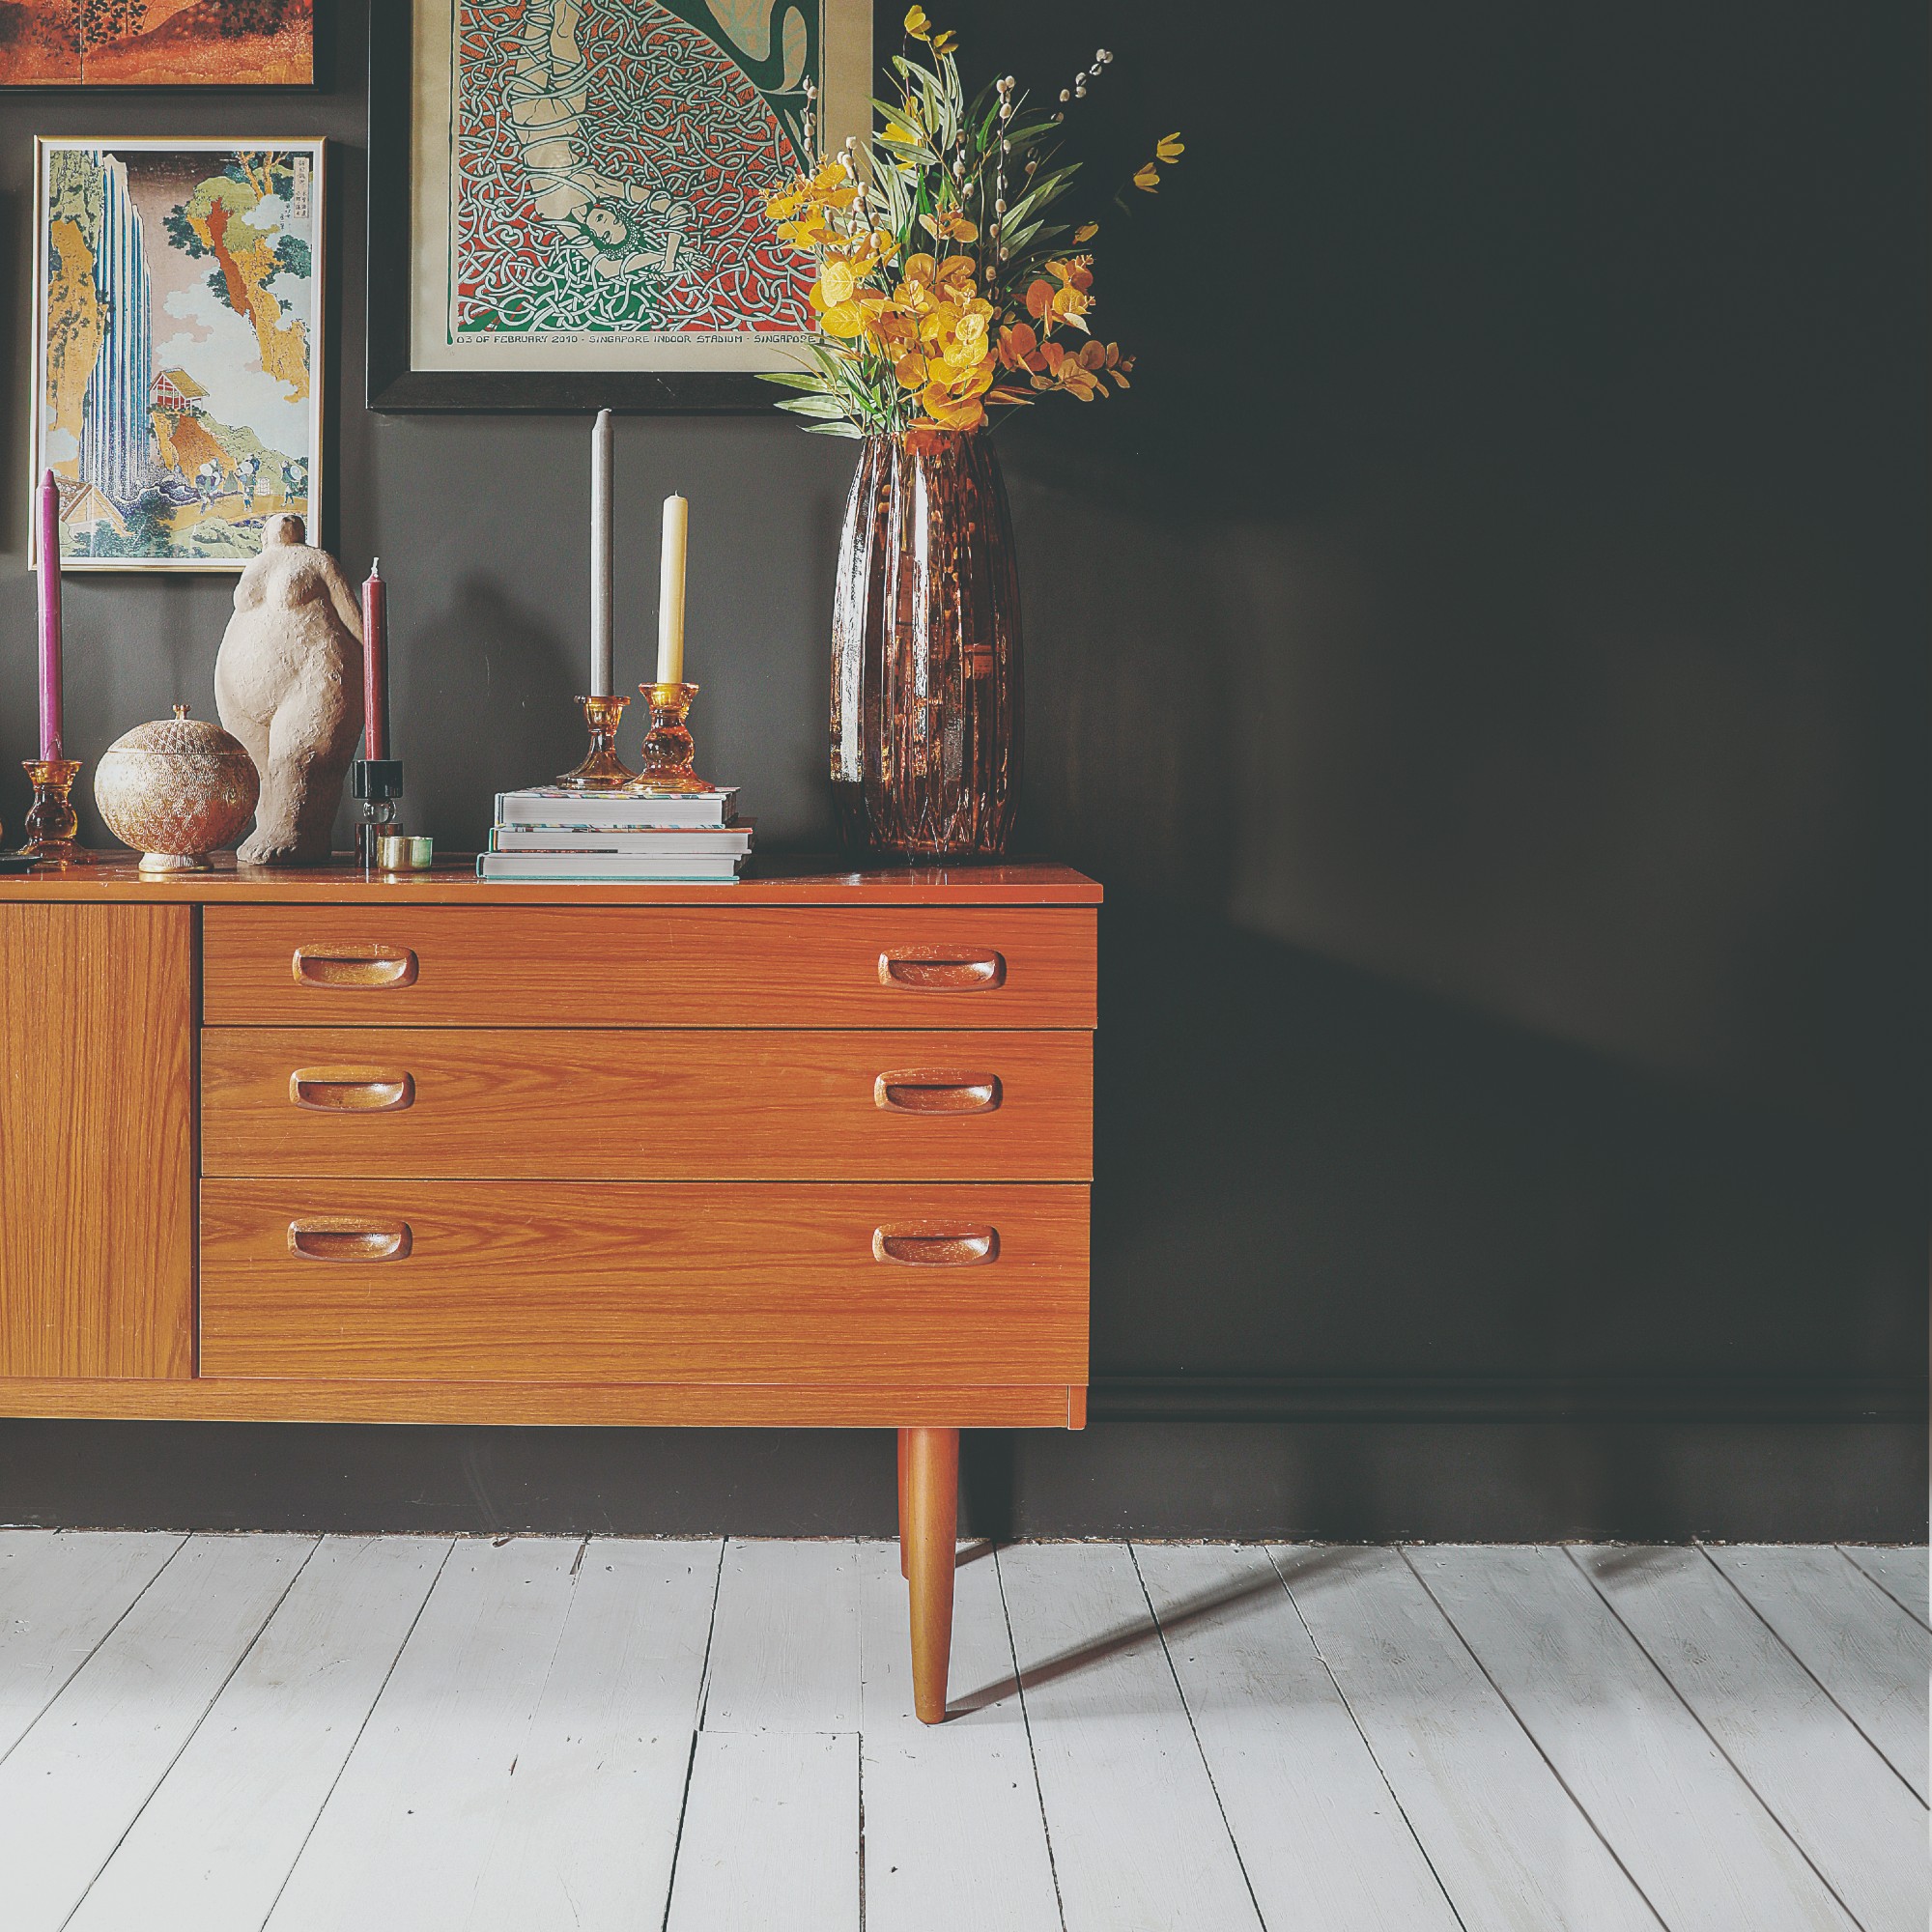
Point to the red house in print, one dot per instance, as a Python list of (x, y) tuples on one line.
[(176, 392)]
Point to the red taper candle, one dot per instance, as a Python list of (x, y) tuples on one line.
[(49, 508), (374, 664)]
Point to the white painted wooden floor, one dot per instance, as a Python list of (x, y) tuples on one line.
[(411, 1734)]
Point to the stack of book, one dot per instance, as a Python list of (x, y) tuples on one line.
[(603, 837)]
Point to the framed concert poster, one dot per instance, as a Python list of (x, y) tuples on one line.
[(178, 331), (566, 197)]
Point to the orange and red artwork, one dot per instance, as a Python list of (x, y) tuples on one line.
[(156, 44)]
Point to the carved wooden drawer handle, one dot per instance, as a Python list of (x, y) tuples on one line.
[(330, 1238), (940, 969), (935, 1246), (352, 1089), (937, 1089), (373, 968)]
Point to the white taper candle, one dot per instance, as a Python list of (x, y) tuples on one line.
[(601, 668), (670, 591)]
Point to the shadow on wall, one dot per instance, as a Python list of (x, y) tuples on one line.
[(1501, 969), (1322, 1173), (480, 683)]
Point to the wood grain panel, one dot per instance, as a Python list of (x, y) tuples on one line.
[(711, 966), (627, 1283), (782, 880), (687, 1105), (635, 1404), (96, 1164)]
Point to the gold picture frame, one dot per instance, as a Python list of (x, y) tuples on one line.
[(179, 322), (566, 203)]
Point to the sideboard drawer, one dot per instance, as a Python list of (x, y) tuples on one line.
[(577, 966), (689, 1104), (476, 1281)]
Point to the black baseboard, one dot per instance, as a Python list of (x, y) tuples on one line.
[(1381, 1478), (1609, 1398)]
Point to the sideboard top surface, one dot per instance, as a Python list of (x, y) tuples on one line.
[(781, 880)]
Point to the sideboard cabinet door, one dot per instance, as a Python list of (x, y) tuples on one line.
[(97, 1141)]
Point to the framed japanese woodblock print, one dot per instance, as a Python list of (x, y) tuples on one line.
[(566, 196), (177, 327)]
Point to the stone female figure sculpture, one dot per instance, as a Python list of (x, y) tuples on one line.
[(288, 683)]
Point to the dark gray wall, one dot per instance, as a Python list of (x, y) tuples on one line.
[(1483, 659)]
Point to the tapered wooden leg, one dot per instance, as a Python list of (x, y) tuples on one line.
[(930, 1522), (905, 1563)]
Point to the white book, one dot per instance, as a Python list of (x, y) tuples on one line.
[(606, 812), (697, 841), (606, 869)]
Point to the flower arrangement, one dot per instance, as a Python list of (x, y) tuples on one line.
[(942, 289)]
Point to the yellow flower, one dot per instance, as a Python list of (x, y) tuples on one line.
[(1077, 375), (1087, 231), (917, 24), (836, 282), (957, 273), (1148, 178), (1168, 147), (798, 211), (949, 225), (896, 332), (846, 320), (1068, 303), (965, 413), (944, 43), (915, 293), (957, 335), (904, 126)]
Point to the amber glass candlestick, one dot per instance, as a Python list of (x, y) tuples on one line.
[(602, 770), (52, 825), (668, 751)]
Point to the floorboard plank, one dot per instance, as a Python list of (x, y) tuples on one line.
[(1870, 1654), (406, 1833), (1138, 1839), (1323, 1840), (78, 1779), (591, 1830), (1685, 1827), (1512, 1850), (771, 1835), (215, 1842), (784, 1643), (1851, 1815), (955, 1838), (61, 1592), (1900, 1573)]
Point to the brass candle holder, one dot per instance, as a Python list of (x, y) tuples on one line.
[(52, 826), (602, 770), (668, 750)]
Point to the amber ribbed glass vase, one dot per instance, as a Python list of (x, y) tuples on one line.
[(926, 653)]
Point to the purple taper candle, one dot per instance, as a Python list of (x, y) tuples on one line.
[(51, 617)]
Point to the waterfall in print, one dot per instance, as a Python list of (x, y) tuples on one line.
[(117, 432)]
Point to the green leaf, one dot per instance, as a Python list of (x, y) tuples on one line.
[(1046, 188), (849, 430), (815, 406), (787, 378)]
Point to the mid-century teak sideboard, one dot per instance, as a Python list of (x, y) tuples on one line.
[(326, 1147)]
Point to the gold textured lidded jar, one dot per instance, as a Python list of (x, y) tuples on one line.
[(176, 790)]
